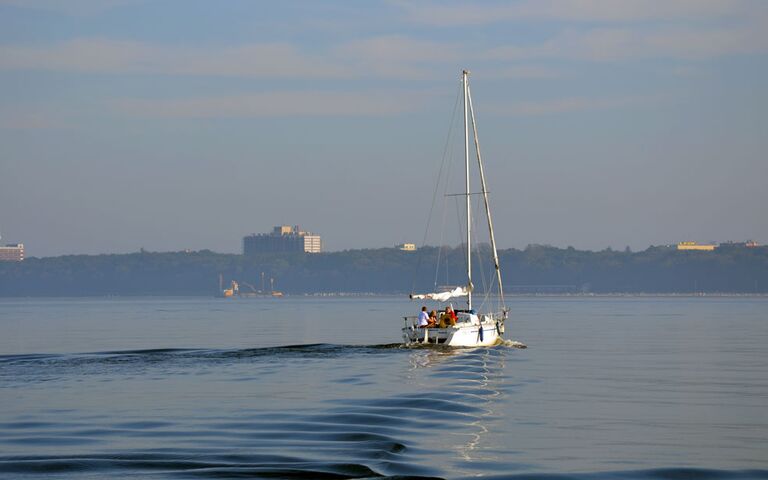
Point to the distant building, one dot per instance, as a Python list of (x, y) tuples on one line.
[(406, 247), (13, 252), (747, 244), (695, 246), (284, 238)]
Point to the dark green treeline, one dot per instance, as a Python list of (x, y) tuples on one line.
[(536, 269)]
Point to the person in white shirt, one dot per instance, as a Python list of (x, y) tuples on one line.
[(423, 318)]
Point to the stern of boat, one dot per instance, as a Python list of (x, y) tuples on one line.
[(471, 330)]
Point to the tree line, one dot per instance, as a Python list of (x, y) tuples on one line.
[(535, 269)]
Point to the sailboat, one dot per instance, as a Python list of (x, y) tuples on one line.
[(472, 328)]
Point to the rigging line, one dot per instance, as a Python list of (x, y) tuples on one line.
[(478, 255), (460, 239), (442, 253), (437, 184), (485, 197), (463, 194), (441, 245), (462, 235), (445, 248), (439, 251), (490, 280)]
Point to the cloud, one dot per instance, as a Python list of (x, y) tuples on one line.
[(120, 57), (565, 105), (277, 104), (476, 13), (522, 72), (394, 56), (70, 7), (25, 120), (622, 43), (406, 57), (626, 29), (391, 56), (399, 55)]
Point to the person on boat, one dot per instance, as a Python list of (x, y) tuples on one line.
[(432, 322), (448, 318), (423, 318)]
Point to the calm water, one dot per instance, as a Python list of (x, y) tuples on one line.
[(320, 388)]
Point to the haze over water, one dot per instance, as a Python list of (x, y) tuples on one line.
[(321, 388)]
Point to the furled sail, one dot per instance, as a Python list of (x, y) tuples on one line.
[(442, 296)]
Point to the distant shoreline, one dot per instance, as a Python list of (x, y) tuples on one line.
[(336, 295), (534, 271)]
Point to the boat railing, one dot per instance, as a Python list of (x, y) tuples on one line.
[(413, 320)]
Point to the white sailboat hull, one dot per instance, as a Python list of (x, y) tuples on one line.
[(470, 331)]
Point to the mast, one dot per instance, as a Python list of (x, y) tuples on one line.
[(464, 75), (485, 198)]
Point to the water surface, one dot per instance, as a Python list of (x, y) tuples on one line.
[(321, 388)]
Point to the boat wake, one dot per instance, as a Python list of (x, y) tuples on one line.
[(297, 411), (159, 354), (512, 344)]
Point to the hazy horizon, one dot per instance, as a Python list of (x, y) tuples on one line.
[(186, 125), (501, 248)]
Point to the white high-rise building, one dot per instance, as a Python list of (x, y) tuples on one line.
[(312, 243), (284, 238)]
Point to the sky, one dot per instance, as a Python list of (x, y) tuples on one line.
[(128, 124)]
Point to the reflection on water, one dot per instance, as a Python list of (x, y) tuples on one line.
[(484, 388), (472, 377)]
